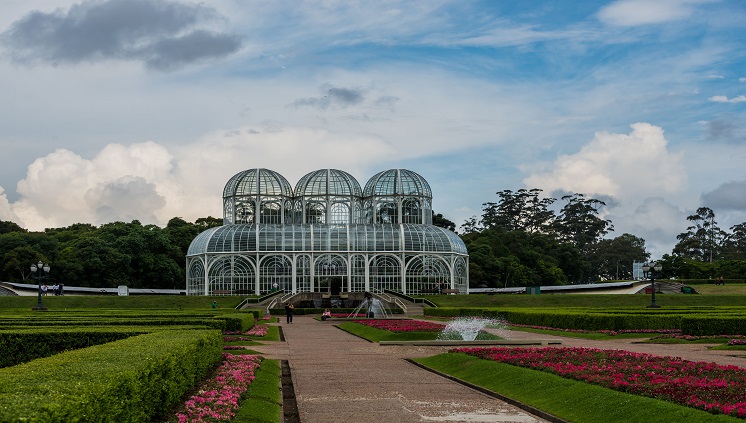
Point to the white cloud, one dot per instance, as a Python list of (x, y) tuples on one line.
[(6, 213), (725, 99), (742, 79), (655, 220), (617, 165), (643, 12), (147, 182)]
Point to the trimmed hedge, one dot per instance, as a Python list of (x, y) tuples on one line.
[(713, 325), (25, 345), (303, 311), (691, 321), (131, 380)]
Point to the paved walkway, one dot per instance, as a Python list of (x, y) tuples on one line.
[(338, 377)]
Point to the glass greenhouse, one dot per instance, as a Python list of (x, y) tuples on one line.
[(326, 235)]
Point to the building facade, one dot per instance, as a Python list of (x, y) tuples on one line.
[(326, 235)]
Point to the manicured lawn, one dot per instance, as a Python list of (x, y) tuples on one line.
[(591, 300), (567, 399), (583, 335)]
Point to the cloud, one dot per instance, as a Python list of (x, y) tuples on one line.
[(725, 99), (124, 199), (159, 33), (149, 183), (655, 220), (728, 196), (644, 12), (6, 213), (617, 165), (742, 79), (726, 129), (333, 97)]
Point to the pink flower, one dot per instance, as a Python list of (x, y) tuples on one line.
[(708, 386)]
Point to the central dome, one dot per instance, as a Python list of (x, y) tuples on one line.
[(328, 182)]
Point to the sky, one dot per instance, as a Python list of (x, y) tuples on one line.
[(115, 110)]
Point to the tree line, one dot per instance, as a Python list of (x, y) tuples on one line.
[(113, 254), (523, 239), (527, 239)]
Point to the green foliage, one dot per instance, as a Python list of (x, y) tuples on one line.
[(117, 253), (130, 380), (264, 402), (20, 346)]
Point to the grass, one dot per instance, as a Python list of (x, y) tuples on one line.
[(71, 302), (713, 289), (264, 403), (597, 336), (591, 300), (378, 335), (567, 399)]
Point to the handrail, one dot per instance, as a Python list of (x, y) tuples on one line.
[(258, 299), (282, 299), (412, 299)]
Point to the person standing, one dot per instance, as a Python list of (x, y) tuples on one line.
[(289, 312)]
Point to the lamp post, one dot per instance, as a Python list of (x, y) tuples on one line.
[(37, 269), (649, 269)]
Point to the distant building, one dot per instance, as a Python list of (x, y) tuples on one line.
[(326, 235)]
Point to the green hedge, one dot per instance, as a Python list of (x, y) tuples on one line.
[(691, 321), (302, 311), (713, 325), (25, 345), (131, 380)]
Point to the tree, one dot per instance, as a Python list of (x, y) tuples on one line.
[(440, 221), (613, 258), (702, 239), (734, 245), (7, 227), (578, 222), (524, 210)]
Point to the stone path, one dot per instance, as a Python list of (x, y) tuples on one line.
[(338, 377)]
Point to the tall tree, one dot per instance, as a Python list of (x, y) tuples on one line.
[(440, 221), (613, 258), (523, 210), (702, 239), (579, 223)]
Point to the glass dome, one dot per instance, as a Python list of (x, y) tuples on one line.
[(328, 196), (397, 182), (258, 182), (328, 182), (257, 195)]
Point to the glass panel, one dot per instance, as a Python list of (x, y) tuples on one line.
[(426, 274)]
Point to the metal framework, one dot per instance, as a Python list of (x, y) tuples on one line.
[(327, 235)]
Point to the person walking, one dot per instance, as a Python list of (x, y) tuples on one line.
[(289, 312)]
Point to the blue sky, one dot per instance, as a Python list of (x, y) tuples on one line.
[(143, 109)]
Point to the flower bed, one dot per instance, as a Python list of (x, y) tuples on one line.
[(257, 330), (707, 386), (605, 332), (218, 398), (400, 326)]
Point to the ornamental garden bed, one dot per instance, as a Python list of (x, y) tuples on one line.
[(701, 385)]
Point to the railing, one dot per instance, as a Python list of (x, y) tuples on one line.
[(281, 300), (258, 300), (412, 299), (388, 298)]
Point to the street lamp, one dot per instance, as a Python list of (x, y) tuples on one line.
[(649, 269), (37, 269)]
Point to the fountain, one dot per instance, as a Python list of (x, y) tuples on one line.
[(465, 331), (467, 328), (372, 306)]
